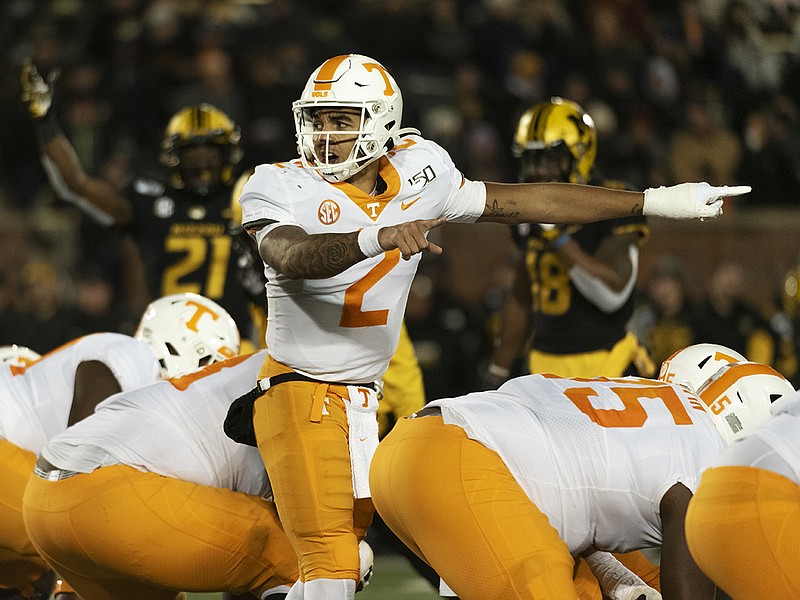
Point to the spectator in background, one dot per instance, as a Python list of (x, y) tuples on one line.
[(214, 83), (95, 308), (726, 318), (756, 67), (704, 149), (50, 315), (771, 161), (13, 324), (445, 345), (665, 319)]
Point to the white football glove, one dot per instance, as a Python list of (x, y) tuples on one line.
[(689, 200)]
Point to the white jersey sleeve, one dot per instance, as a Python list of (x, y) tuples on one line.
[(595, 455), (346, 328), (173, 428), (38, 398), (774, 445)]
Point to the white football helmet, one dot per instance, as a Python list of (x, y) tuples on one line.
[(188, 332), (349, 81), (693, 365), (18, 356), (738, 397)]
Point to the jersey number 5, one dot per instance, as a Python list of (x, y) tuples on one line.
[(634, 414)]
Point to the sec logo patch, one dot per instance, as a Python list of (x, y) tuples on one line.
[(328, 212)]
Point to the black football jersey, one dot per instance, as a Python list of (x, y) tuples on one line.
[(564, 322), (185, 244)]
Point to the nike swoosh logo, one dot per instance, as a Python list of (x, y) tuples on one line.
[(362, 439), (406, 205)]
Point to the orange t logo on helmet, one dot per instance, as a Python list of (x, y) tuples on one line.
[(201, 310)]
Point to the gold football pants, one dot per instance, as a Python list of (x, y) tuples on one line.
[(607, 363), (302, 434), (118, 533), (456, 505), (743, 527), (20, 564)]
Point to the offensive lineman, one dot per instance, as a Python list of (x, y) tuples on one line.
[(524, 478), (41, 398)]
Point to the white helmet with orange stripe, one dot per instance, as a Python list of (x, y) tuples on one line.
[(693, 365), (188, 332), (348, 81), (738, 397)]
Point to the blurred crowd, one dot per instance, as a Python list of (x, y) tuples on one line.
[(680, 90)]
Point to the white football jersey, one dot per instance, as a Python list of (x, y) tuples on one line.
[(173, 428), (774, 445), (346, 328), (37, 399), (595, 455)]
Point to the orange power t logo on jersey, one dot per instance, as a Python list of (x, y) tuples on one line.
[(200, 310)]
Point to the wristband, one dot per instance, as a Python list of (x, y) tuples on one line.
[(368, 241), (560, 241)]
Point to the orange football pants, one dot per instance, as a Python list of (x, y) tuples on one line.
[(20, 564), (119, 533), (302, 434), (743, 527), (456, 505)]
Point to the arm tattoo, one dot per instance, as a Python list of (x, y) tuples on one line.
[(495, 210), (636, 209), (324, 255)]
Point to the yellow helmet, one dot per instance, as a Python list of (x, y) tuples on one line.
[(201, 124), (548, 125)]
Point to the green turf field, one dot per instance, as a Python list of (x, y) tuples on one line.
[(393, 579)]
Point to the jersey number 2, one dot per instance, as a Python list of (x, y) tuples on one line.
[(353, 314)]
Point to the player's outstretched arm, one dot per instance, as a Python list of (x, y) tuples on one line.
[(67, 176), (573, 203), (299, 255)]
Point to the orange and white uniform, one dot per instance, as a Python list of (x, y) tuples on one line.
[(152, 476), (346, 328), (743, 524), (35, 406), (523, 478), (343, 329)]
